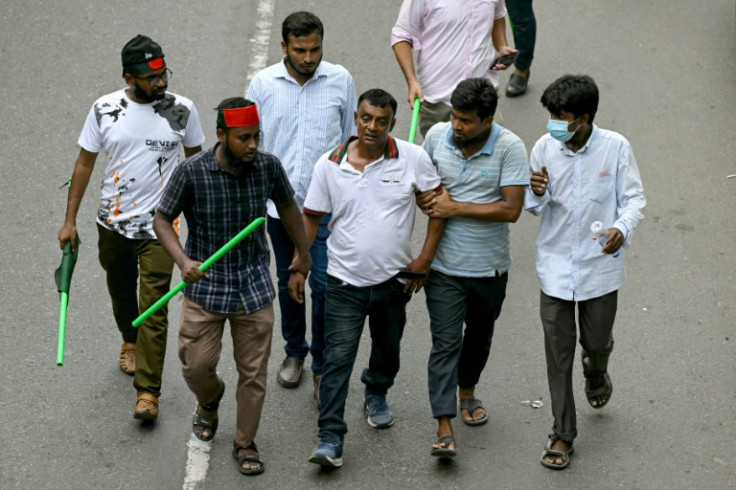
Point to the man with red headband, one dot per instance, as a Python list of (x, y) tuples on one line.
[(141, 129), (221, 191)]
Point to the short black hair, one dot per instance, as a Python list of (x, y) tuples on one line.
[(576, 94), (231, 103), (475, 94), (301, 24), (378, 97)]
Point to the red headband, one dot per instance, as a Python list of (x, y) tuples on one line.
[(240, 117)]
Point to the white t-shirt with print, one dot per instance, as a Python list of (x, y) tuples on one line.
[(142, 143)]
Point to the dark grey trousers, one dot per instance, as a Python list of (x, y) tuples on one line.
[(596, 318), (457, 360)]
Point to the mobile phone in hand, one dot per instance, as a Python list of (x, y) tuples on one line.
[(506, 60), (410, 275)]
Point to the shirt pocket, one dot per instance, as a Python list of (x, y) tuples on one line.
[(603, 189)]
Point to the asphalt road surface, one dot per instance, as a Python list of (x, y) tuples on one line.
[(666, 71)]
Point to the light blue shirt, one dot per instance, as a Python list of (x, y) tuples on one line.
[(471, 247), (301, 122), (599, 182)]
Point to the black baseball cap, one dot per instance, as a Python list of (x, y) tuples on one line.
[(142, 55)]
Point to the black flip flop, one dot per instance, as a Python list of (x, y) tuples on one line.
[(604, 390), (444, 452), (199, 420), (252, 458), (471, 405)]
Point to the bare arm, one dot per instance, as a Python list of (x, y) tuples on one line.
[(192, 151), (435, 230), (403, 52), (83, 168), (498, 36), (164, 228), (505, 210)]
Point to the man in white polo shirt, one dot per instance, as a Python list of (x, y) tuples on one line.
[(368, 184), (484, 169)]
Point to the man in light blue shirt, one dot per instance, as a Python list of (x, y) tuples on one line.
[(306, 107), (484, 172), (586, 186)]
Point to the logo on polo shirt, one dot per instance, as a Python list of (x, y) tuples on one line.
[(161, 145), (392, 179)]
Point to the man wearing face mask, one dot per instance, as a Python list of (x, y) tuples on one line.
[(307, 108), (586, 186), (141, 129), (220, 191)]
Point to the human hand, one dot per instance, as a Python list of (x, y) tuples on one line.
[(538, 181), (614, 242), (415, 92), (501, 63), (441, 206), (68, 233), (415, 285), (426, 199), (191, 273), (296, 286)]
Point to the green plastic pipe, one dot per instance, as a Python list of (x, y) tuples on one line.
[(203, 267), (414, 120), (62, 329)]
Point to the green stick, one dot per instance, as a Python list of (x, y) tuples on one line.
[(203, 267), (62, 329), (414, 120)]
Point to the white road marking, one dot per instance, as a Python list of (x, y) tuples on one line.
[(198, 458), (198, 461), (260, 42)]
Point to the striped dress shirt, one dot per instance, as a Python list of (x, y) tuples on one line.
[(302, 122), (471, 247), (599, 182)]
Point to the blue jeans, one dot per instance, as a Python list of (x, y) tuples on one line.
[(293, 315), (347, 307), (525, 30)]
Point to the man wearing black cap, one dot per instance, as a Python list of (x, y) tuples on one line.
[(140, 128)]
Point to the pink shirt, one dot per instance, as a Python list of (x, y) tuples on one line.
[(453, 41)]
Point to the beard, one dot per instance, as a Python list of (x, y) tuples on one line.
[(238, 165), (468, 142), (306, 74), (153, 96)]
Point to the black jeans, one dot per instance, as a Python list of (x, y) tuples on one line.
[(525, 30), (457, 360), (346, 308)]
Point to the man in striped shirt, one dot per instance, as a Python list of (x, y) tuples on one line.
[(306, 108), (484, 172)]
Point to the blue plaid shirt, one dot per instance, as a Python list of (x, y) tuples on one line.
[(218, 205)]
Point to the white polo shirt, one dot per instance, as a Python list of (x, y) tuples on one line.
[(372, 212)]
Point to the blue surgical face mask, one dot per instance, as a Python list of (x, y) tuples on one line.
[(558, 129)]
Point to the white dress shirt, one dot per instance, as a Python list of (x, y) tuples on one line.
[(599, 182)]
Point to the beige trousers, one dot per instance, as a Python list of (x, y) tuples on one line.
[(200, 346)]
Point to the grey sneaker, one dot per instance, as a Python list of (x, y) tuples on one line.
[(327, 454), (377, 412)]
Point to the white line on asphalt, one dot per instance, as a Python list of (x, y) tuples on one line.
[(259, 43), (198, 458)]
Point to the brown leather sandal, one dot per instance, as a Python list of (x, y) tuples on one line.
[(127, 358), (146, 408)]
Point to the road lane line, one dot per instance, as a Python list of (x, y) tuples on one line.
[(260, 42), (198, 458), (198, 461)]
